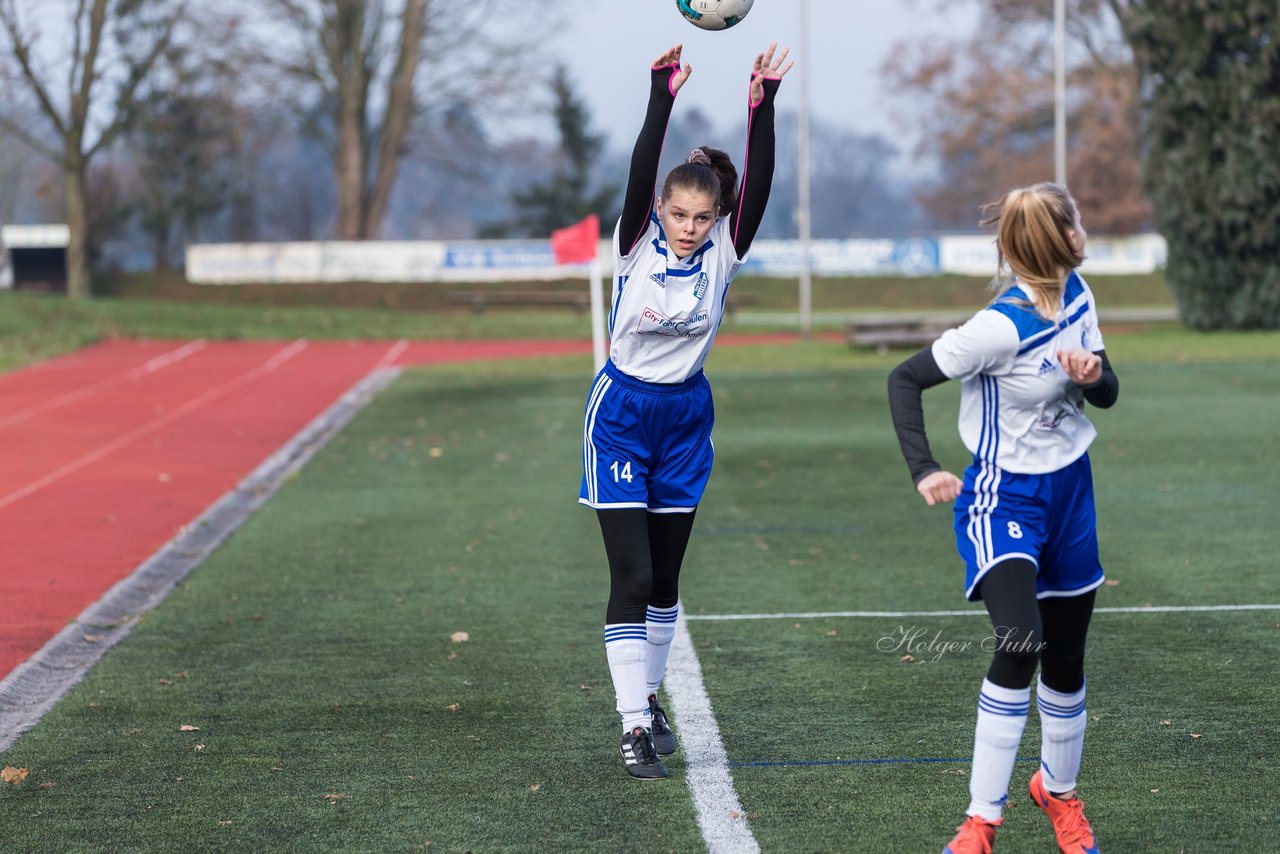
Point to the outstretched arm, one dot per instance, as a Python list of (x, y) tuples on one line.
[(757, 169), (666, 78)]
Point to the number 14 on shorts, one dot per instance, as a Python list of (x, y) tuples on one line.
[(621, 471)]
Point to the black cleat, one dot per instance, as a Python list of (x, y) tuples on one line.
[(642, 760), (664, 740)]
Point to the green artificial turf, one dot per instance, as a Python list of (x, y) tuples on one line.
[(338, 708)]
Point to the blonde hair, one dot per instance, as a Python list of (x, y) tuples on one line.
[(1033, 239)]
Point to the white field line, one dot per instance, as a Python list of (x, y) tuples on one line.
[(36, 685), (973, 612), (151, 426), (720, 816), (150, 366)]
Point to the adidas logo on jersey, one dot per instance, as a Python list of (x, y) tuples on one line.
[(660, 278), (1047, 367)]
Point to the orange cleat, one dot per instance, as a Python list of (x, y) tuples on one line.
[(1075, 836), (975, 836)]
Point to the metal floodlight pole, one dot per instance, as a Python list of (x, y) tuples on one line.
[(1060, 92), (802, 208)]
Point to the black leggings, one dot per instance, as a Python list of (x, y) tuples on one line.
[(645, 551), (1049, 632)]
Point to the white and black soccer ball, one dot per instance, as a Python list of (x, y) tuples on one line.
[(714, 14)]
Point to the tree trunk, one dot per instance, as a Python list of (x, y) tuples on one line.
[(350, 171), (79, 284), (347, 60), (400, 107)]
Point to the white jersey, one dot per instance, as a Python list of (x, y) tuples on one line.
[(666, 310), (1018, 409)]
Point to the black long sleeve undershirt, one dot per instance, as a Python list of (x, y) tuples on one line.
[(757, 175), (643, 178), (1104, 392), (908, 381)]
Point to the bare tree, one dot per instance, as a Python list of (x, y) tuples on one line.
[(86, 84), (366, 69), (989, 117)]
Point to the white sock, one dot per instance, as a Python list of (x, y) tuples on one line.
[(626, 648), (1002, 715), (1062, 723), (661, 627)]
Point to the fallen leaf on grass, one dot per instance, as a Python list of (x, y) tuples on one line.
[(452, 655), (535, 787), (1195, 735), (188, 728), (199, 747), (14, 775), (459, 637), (334, 797), (831, 633), (1166, 723), (584, 687), (907, 658), (453, 707), (1155, 791), (224, 824)]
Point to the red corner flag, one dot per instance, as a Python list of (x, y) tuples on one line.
[(577, 243)]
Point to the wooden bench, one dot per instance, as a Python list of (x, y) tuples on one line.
[(579, 301), (883, 334)]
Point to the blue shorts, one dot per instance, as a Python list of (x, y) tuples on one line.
[(1048, 519), (645, 444)]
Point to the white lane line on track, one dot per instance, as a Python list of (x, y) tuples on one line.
[(151, 426), (720, 815), (150, 366), (391, 355)]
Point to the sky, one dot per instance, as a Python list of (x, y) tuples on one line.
[(610, 48)]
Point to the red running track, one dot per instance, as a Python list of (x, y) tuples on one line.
[(107, 452)]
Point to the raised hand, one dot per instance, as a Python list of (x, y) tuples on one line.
[(672, 57), (767, 67)]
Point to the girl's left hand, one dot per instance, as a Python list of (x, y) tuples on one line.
[(1083, 368), (767, 66)]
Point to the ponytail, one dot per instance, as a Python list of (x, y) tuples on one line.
[(1033, 240)]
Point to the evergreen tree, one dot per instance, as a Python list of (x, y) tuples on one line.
[(567, 196), (1211, 77)]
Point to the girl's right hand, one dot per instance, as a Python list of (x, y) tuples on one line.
[(672, 57), (939, 486)]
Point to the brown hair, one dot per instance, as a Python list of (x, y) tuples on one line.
[(719, 179), (1032, 225)]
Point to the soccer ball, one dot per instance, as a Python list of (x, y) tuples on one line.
[(714, 14)]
